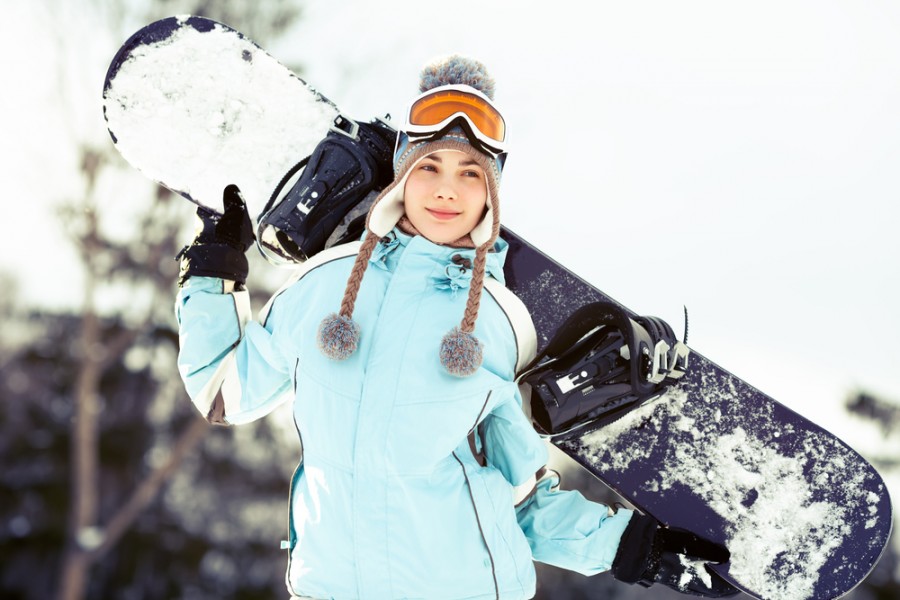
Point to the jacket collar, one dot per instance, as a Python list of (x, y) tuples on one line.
[(395, 242)]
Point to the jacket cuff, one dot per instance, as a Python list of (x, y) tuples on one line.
[(213, 260), (635, 549)]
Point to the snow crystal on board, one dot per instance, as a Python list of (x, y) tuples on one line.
[(552, 291), (787, 497), (199, 110)]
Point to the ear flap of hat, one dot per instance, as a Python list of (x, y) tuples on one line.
[(484, 231), (388, 208)]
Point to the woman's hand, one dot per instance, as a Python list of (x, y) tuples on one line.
[(218, 249)]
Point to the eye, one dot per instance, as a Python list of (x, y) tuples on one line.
[(428, 167), (472, 173)]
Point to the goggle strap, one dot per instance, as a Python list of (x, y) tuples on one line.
[(470, 132)]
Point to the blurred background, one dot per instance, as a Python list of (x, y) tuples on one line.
[(740, 160)]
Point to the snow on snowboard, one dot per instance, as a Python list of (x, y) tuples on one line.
[(194, 105)]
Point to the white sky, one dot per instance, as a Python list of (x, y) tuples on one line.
[(737, 158)]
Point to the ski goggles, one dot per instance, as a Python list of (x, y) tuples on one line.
[(438, 110)]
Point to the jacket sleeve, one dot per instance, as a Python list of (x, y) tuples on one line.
[(563, 528), (567, 530), (223, 350)]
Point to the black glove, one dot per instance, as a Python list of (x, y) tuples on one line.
[(219, 248), (650, 553)]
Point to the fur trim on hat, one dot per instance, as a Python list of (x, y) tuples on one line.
[(457, 70)]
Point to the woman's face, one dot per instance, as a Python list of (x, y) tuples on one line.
[(445, 195)]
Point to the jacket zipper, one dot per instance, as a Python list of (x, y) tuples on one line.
[(473, 446), (292, 534), (480, 529)]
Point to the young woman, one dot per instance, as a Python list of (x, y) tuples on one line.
[(421, 475)]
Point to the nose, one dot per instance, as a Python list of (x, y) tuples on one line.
[(445, 189)]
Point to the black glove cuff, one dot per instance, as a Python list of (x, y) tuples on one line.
[(213, 260), (635, 555)]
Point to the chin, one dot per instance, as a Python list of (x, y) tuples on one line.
[(441, 239)]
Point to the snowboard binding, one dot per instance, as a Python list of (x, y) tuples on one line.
[(601, 364), (351, 163)]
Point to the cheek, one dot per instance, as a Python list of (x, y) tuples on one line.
[(414, 189), (410, 193), (477, 197)]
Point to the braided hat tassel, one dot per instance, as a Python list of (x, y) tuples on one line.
[(461, 352), (338, 335)]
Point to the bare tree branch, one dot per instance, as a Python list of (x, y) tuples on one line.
[(108, 262), (145, 493)]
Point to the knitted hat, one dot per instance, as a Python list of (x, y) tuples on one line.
[(460, 351)]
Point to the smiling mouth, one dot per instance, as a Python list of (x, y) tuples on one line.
[(443, 215)]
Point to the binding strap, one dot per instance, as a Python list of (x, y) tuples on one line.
[(600, 364)]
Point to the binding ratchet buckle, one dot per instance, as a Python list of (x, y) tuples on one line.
[(345, 126)]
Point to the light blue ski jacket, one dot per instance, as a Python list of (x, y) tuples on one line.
[(410, 477)]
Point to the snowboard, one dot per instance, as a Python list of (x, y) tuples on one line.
[(195, 105)]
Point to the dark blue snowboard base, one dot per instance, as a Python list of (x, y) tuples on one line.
[(803, 515)]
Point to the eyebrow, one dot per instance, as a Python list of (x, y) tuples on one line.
[(464, 163)]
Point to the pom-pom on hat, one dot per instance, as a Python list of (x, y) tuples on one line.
[(457, 70), (460, 352)]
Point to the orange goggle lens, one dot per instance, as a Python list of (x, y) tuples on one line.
[(436, 108)]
